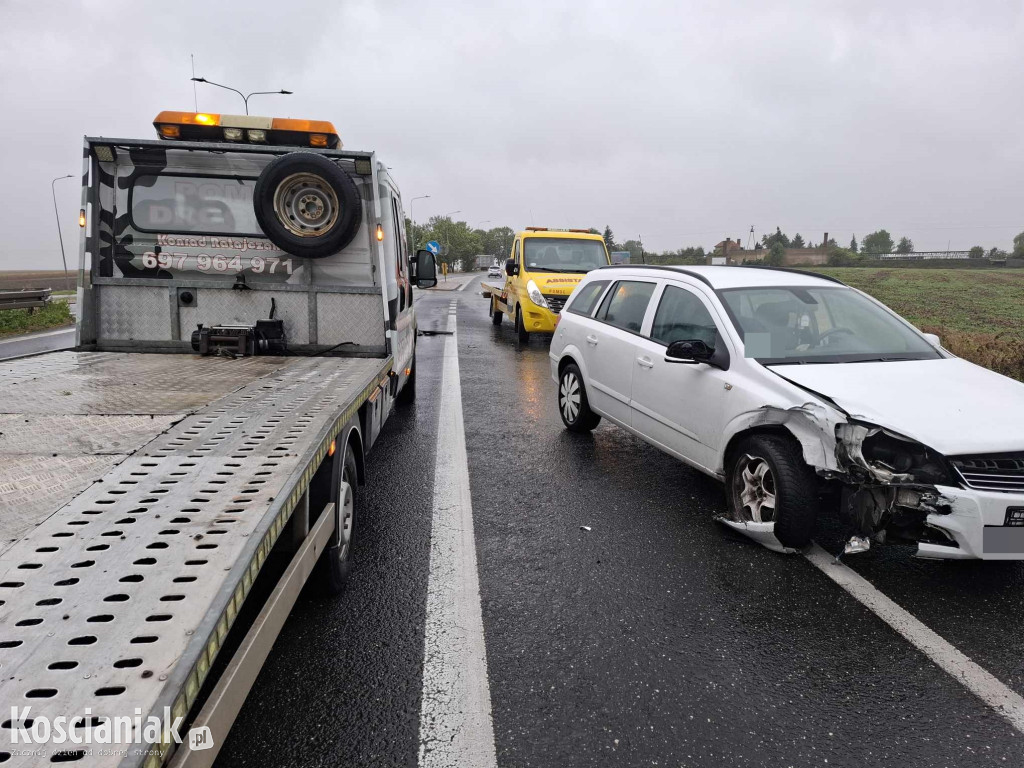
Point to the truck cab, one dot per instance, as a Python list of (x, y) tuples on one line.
[(543, 269)]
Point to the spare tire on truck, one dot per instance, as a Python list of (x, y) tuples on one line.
[(307, 205)]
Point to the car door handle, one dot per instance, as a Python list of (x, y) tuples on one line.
[(645, 362), (591, 339)]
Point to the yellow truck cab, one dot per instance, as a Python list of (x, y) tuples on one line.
[(543, 269)]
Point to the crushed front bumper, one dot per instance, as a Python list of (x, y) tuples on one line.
[(976, 526)]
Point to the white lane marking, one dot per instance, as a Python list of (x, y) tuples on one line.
[(977, 680), (456, 730)]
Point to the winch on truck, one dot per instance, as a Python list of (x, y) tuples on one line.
[(246, 327)]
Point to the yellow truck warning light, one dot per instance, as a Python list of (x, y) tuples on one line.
[(247, 129)]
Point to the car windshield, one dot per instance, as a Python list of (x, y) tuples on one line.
[(563, 254), (820, 325)]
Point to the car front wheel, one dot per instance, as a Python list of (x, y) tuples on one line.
[(767, 481), (573, 405)]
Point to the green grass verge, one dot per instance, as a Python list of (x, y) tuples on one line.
[(979, 314), (14, 322)]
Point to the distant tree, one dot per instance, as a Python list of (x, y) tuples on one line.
[(797, 241), (877, 242), (853, 244), (633, 246), (906, 245), (498, 242), (977, 252), (997, 253), (1018, 245), (776, 254), (842, 257), (609, 238), (778, 237)]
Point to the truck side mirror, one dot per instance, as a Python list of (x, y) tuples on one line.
[(424, 269), (511, 268)]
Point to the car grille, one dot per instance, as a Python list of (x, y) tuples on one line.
[(992, 472), (555, 303)]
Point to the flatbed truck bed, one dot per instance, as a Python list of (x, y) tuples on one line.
[(140, 495)]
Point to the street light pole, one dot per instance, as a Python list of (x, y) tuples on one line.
[(245, 98), (60, 236), (411, 219), (447, 239)]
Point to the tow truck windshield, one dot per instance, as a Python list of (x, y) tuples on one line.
[(558, 254)]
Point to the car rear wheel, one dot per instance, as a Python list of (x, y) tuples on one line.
[(521, 332), (767, 481), (573, 406)]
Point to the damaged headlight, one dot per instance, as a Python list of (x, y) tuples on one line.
[(890, 457)]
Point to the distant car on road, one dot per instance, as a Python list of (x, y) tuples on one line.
[(792, 387), (494, 271)]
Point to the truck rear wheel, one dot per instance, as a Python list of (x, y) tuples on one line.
[(495, 313), (307, 205), (335, 563), (521, 333)]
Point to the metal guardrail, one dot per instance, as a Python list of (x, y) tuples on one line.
[(24, 299)]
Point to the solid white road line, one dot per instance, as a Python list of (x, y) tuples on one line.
[(456, 730), (977, 680)]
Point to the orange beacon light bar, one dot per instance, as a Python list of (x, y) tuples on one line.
[(246, 129)]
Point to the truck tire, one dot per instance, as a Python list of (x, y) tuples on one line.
[(495, 313), (335, 563), (307, 205), (766, 480), (573, 405), (408, 394), (521, 333)]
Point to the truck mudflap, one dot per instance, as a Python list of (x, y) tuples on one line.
[(120, 601)]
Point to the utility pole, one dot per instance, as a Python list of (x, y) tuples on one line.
[(60, 236)]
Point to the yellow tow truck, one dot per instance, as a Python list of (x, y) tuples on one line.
[(544, 268)]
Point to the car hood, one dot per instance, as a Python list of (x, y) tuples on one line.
[(556, 283), (950, 405)]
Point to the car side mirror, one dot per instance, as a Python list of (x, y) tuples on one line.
[(688, 351), (511, 268), (424, 269), (933, 339)]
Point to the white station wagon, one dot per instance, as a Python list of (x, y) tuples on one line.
[(792, 388)]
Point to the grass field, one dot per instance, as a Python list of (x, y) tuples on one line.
[(36, 279), (979, 314)]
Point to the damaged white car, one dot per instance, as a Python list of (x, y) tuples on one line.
[(801, 394)]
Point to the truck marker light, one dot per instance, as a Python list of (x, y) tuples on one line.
[(330, 451), (233, 134), (81, 218), (206, 119), (170, 131), (257, 135), (380, 233), (318, 140)]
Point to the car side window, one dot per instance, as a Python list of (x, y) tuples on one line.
[(682, 316), (515, 252), (626, 304), (583, 303)]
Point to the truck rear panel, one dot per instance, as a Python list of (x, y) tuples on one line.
[(163, 482)]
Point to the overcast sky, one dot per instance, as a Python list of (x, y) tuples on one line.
[(680, 121)]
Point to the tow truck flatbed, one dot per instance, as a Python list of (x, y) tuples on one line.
[(140, 495)]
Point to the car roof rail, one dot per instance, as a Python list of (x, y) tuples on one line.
[(681, 270), (793, 270)]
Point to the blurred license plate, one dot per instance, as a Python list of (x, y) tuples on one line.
[(1004, 540)]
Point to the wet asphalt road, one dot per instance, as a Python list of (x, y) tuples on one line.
[(657, 638)]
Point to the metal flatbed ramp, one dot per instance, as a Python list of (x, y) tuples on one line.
[(119, 600)]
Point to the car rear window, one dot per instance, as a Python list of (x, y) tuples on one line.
[(626, 304), (585, 300)]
